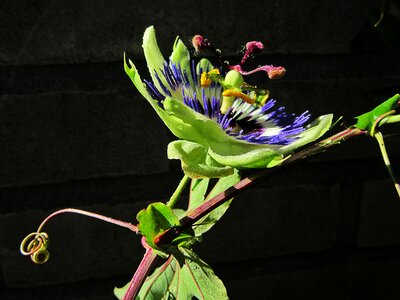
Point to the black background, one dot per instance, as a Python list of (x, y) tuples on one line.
[(75, 133)]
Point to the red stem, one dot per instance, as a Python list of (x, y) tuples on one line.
[(199, 212), (138, 279), (89, 214)]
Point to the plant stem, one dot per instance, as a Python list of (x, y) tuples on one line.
[(89, 214), (379, 137), (199, 212), (146, 264), (179, 189), (150, 256)]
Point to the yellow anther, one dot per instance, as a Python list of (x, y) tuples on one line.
[(214, 72), (238, 94), (207, 78)]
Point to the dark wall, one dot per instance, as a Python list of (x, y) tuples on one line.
[(75, 133)]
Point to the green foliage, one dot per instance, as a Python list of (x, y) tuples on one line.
[(184, 275), (198, 191), (195, 160), (365, 121), (155, 219), (182, 278)]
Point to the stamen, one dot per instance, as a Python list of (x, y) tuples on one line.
[(238, 94), (233, 80), (207, 78)]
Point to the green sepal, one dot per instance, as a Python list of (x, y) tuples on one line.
[(365, 121), (196, 163), (181, 57), (243, 157), (154, 58), (132, 72)]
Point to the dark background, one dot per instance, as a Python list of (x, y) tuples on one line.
[(75, 133)]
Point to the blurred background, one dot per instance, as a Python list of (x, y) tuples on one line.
[(74, 132)]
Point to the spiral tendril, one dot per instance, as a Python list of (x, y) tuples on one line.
[(35, 245)]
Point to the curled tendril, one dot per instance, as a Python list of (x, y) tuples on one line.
[(35, 245)]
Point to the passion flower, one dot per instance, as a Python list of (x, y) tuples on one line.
[(222, 122)]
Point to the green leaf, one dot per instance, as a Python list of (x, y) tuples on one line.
[(186, 279), (198, 190), (196, 163), (155, 219), (180, 213), (197, 197), (365, 121)]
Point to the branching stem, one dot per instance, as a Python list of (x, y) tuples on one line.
[(145, 266)]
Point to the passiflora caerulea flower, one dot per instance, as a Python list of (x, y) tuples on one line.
[(222, 123)]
